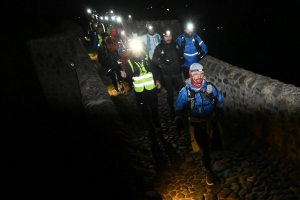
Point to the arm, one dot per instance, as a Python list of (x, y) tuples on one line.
[(203, 46), (178, 40), (181, 101), (127, 73), (156, 55)]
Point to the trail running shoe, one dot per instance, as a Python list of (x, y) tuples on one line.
[(209, 178)]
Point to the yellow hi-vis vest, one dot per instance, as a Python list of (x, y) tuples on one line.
[(144, 80), (99, 39)]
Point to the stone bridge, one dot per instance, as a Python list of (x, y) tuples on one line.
[(260, 159)]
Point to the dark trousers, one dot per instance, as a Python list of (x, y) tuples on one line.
[(112, 74), (202, 139), (186, 72), (148, 103), (171, 82)]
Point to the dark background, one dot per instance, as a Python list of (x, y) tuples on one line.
[(260, 36)]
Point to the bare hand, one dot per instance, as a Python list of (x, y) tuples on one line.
[(123, 74), (158, 86)]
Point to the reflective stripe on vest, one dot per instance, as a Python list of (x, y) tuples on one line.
[(99, 39), (144, 80)]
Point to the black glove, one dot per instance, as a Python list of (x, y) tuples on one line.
[(219, 112), (179, 123), (182, 60), (197, 45), (201, 54)]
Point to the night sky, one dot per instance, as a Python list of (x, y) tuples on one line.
[(260, 36)]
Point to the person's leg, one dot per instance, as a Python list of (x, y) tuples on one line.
[(216, 141), (170, 95), (120, 79), (113, 79), (178, 83), (202, 141), (186, 72), (152, 102), (141, 99)]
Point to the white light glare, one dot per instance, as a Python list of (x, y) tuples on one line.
[(150, 27), (129, 16), (190, 26), (89, 11), (106, 18), (119, 19), (135, 45)]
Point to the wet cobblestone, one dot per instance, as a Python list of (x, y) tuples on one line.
[(244, 169)]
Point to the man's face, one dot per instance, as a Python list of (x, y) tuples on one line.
[(168, 39), (188, 32), (151, 31), (100, 30), (198, 76)]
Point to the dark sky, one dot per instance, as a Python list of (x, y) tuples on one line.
[(260, 36)]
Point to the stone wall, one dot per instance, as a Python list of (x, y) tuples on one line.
[(70, 81), (263, 106), (55, 64)]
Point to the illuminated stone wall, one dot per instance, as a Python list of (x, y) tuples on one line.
[(260, 105)]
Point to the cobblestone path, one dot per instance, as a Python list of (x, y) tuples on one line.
[(245, 169)]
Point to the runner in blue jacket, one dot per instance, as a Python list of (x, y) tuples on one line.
[(202, 99), (193, 48)]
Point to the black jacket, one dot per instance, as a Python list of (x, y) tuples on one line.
[(167, 57)]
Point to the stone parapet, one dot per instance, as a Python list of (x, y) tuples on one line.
[(70, 81), (266, 107)]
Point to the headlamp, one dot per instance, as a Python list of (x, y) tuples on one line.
[(106, 17), (119, 19), (190, 26), (122, 32), (129, 16), (89, 11), (135, 45), (167, 32), (195, 71), (150, 27)]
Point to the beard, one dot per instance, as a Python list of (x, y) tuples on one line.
[(188, 34), (197, 83)]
